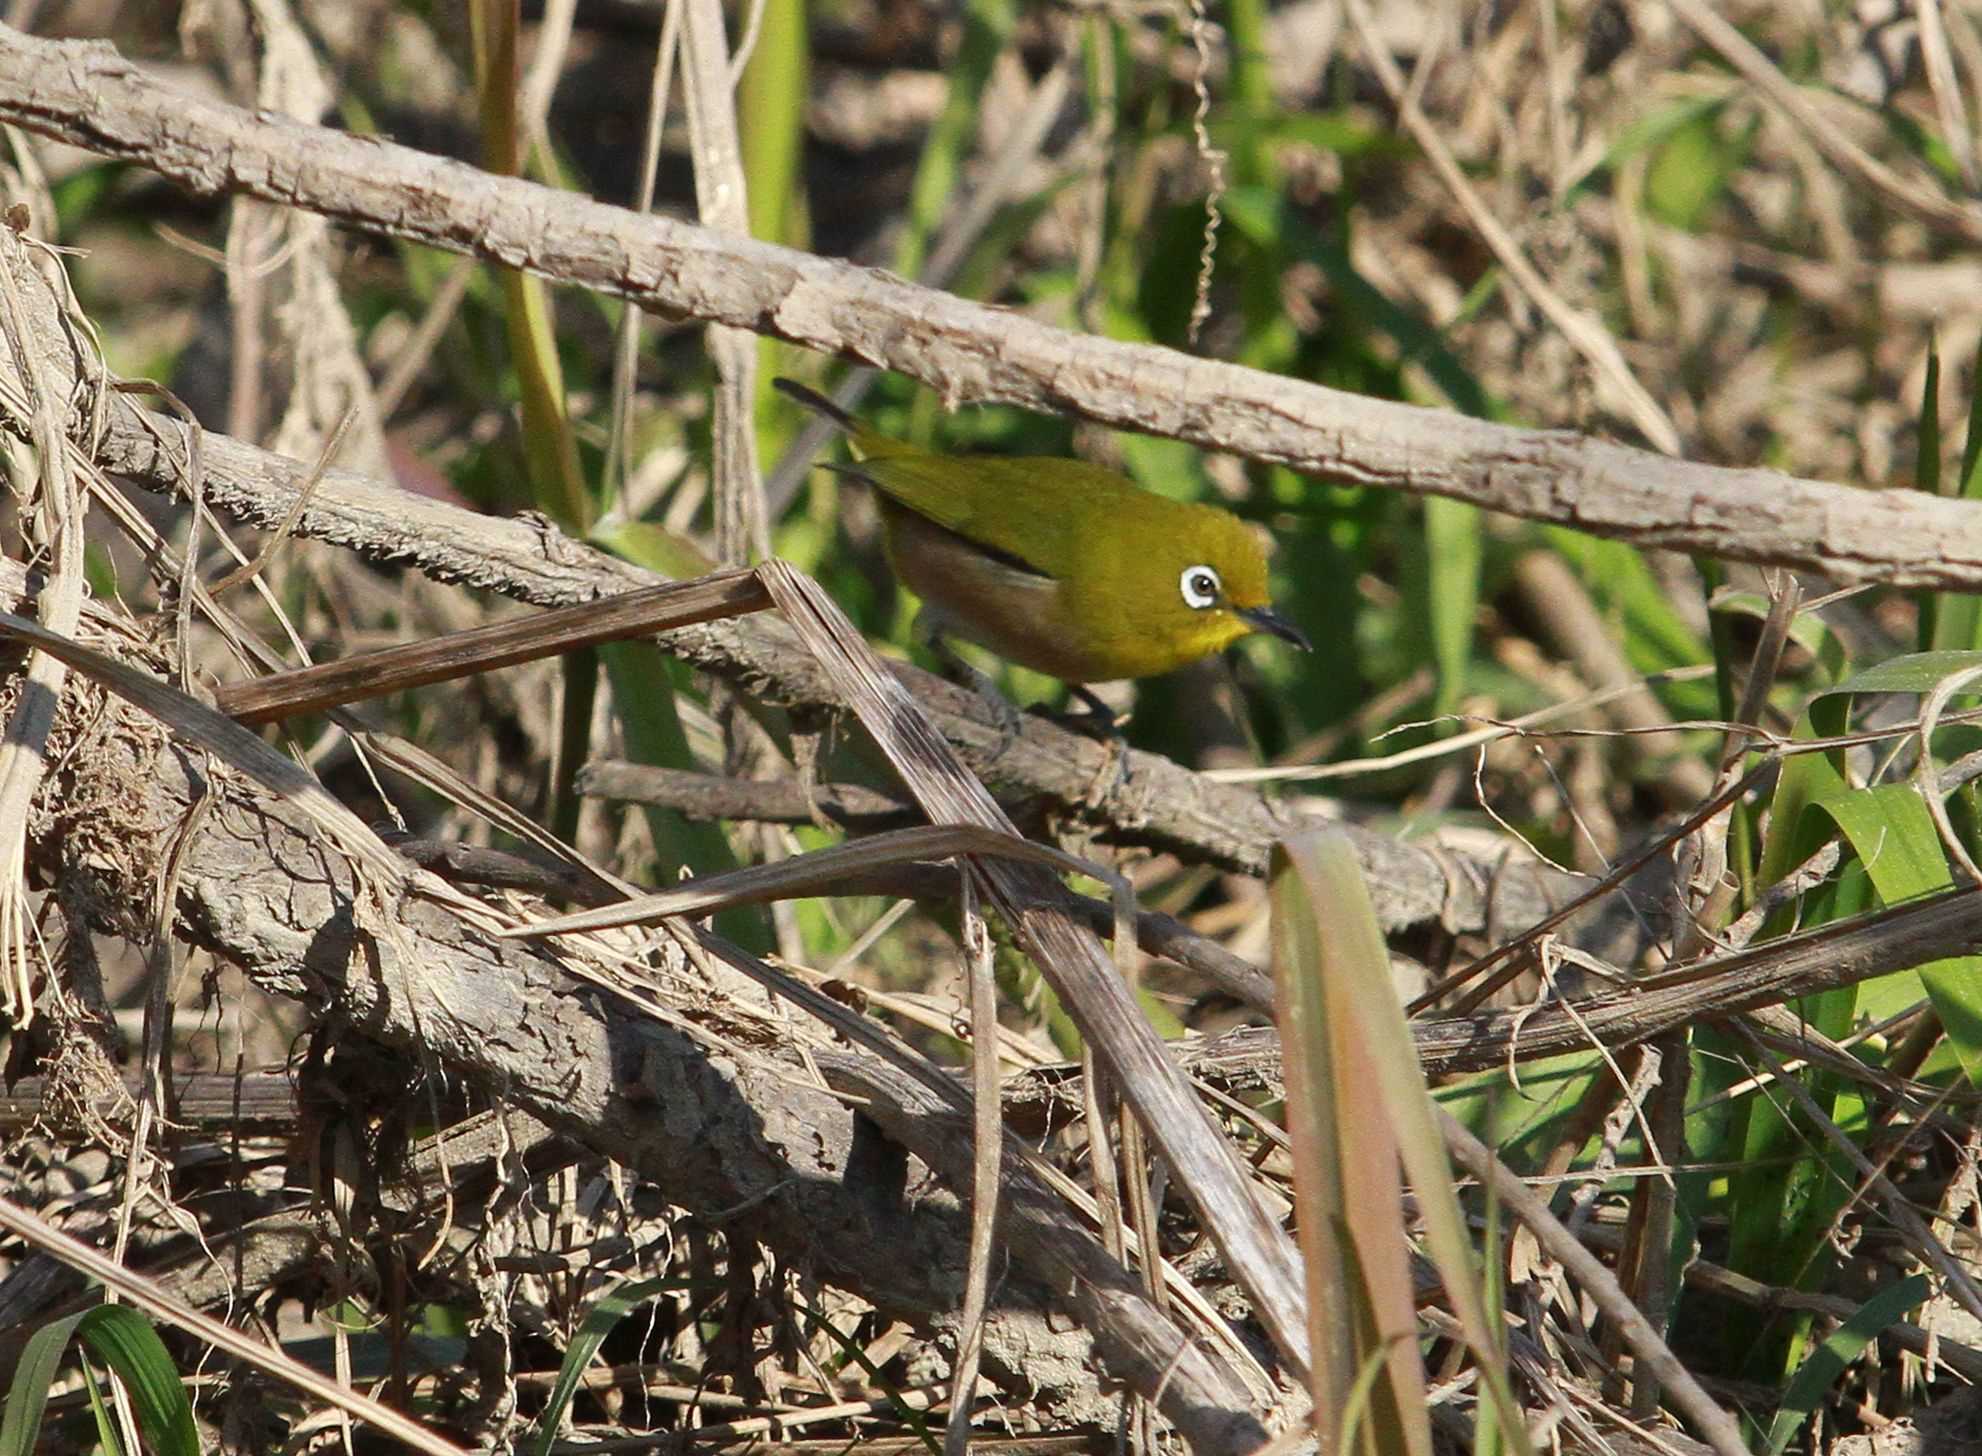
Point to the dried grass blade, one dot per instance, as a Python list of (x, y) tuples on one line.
[(1257, 1250), (640, 613), (822, 872), (1328, 957), (988, 1146), (51, 517), (1365, 1013)]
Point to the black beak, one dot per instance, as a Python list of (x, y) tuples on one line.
[(1265, 619)]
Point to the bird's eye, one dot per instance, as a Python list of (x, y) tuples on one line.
[(1200, 586)]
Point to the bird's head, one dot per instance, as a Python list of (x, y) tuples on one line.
[(1202, 585)]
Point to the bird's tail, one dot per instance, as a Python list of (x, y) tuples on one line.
[(864, 441), (817, 403)]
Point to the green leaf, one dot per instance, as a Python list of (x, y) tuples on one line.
[(125, 1341), (1783, 1177), (34, 1376), (1915, 672), (122, 1339), (1453, 535), (607, 1311), (1815, 1377), (1895, 840), (1812, 633), (1340, 132), (1790, 1184), (1654, 130), (1654, 635), (654, 546), (1691, 169), (987, 27)]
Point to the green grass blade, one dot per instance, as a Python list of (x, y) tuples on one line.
[(124, 1340), (917, 1421), (772, 95), (1957, 616), (1927, 458), (607, 1311), (1815, 1377), (644, 686), (550, 448), (1650, 132), (106, 1422), (1453, 537), (1915, 672), (1946, 619), (1655, 636), (643, 689), (27, 1397), (1969, 487)]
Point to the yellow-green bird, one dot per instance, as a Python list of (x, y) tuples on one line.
[(1059, 565)]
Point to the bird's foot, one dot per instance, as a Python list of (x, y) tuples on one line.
[(1009, 721), (1095, 719), (1098, 721)]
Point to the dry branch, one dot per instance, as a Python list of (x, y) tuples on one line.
[(711, 1099), (85, 93), (1159, 804), (715, 797), (1843, 953)]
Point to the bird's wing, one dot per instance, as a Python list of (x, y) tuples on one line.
[(1015, 508)]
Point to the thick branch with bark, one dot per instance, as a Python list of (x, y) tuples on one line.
[(1843, 953), (711, 1100), (87, 94), (1158, 803)]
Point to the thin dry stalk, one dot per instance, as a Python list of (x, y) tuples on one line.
[(51, 518), (1958, 219), (988, 1144), (1089, 985), (741, 528), (1586, 333), (1599, 1283), (1899, 1208)]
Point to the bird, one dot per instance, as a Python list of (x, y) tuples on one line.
[(1059, 565)]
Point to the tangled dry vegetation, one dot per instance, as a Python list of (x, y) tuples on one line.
[(1601, 368)]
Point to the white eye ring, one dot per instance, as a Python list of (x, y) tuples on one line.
[(1200, 587)]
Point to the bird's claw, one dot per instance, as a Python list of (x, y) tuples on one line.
[(1099, 721), (1009, 721)]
